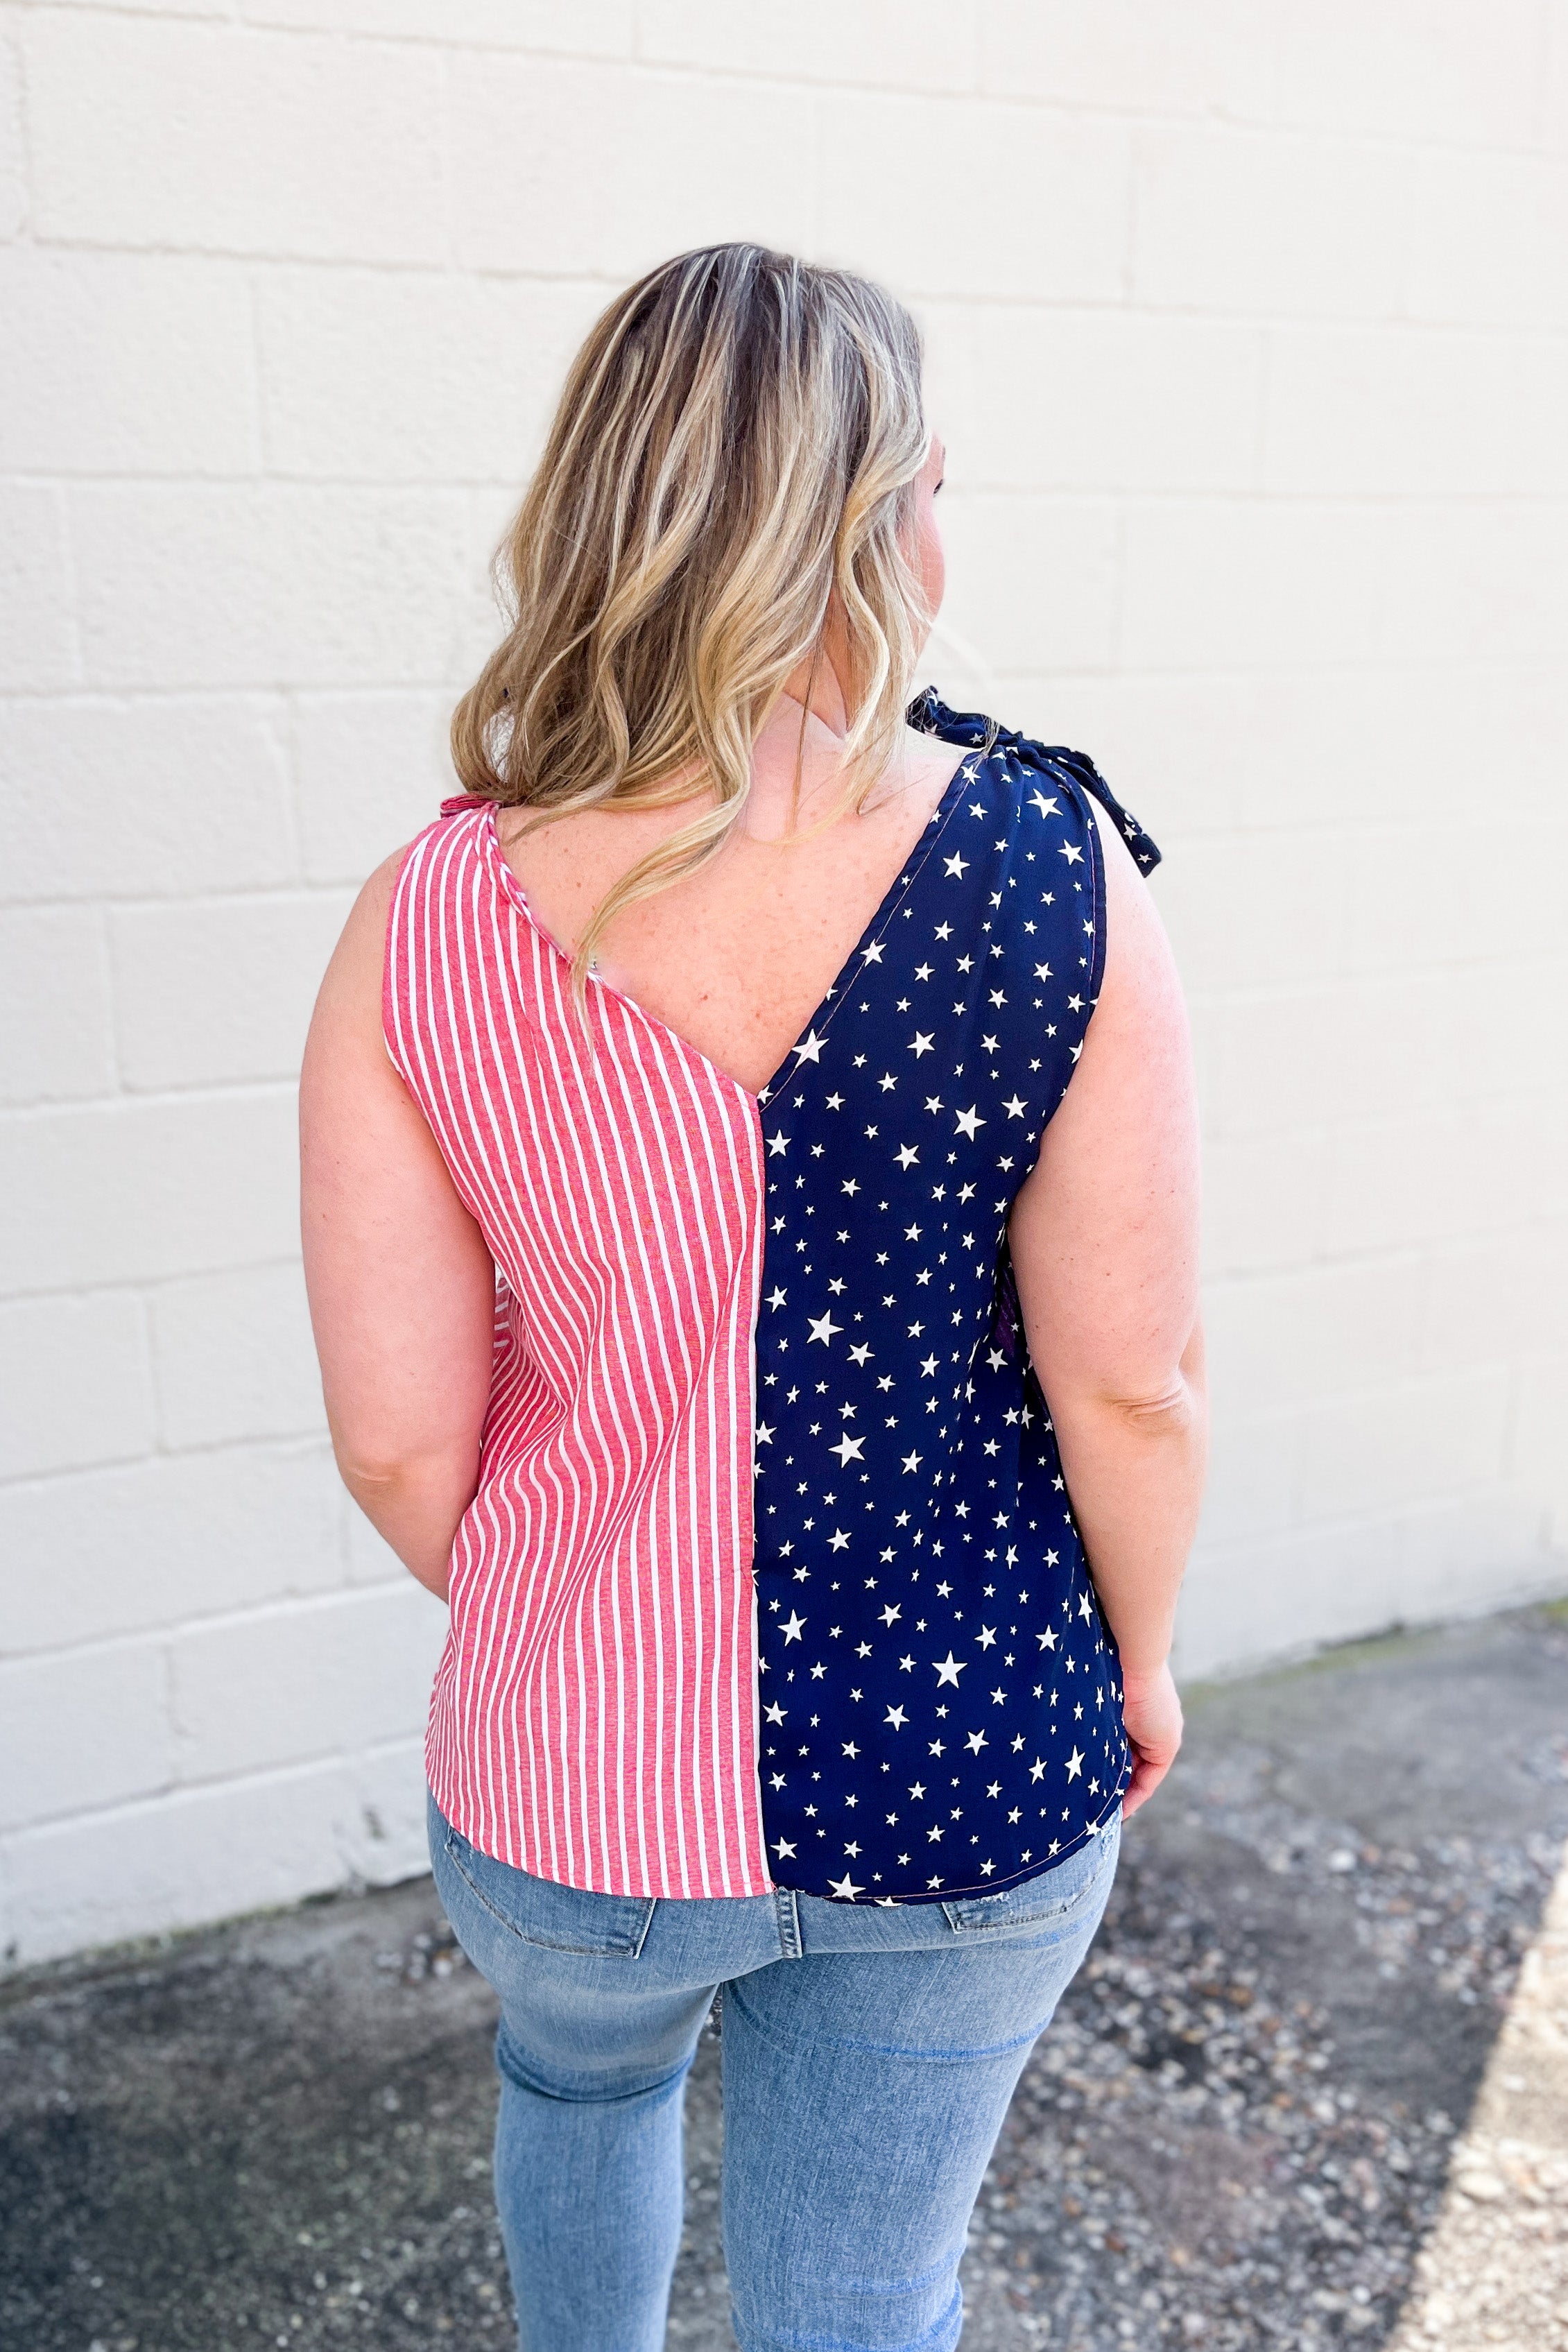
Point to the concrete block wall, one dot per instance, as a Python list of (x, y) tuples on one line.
[(1248, 336)]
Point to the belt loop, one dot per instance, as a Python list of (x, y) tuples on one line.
[(789, 1912)]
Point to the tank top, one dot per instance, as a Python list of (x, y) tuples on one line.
[(771, 1576)]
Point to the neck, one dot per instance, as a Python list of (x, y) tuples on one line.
[(819, 733), (816, 687)]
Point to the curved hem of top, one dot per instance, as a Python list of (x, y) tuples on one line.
[(763, 1891), (946, 1893)]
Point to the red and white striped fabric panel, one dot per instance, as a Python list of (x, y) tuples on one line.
[(594, 1719)]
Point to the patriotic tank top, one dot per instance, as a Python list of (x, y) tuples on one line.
[(771, 1577)]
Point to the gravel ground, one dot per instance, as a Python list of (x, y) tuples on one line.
[(1237, 2134), (1495, 2270)]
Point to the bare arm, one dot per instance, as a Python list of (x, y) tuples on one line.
[(402, 1283), (1105, 1241)]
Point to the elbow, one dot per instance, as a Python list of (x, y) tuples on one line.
[(1176, 1409), (364, 1473), (375, 1480), (373, 1472), (1174, 1406)]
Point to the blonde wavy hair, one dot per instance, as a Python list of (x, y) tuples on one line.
[(733, 459)]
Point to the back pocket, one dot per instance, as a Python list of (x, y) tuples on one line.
[(557, 1919), (1049, 1896)]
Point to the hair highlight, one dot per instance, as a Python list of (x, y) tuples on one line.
[(732, 459)]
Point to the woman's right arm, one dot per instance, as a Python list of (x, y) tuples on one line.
[(1105, 1244)]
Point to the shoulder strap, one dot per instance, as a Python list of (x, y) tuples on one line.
[(931, 716), (1145, 852)]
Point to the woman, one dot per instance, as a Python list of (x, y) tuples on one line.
[(731, 1243)]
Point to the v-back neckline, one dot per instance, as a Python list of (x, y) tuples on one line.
[(964, 777)]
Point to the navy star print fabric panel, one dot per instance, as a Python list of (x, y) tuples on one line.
[(939, 1693)]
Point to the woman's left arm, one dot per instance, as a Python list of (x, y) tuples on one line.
[(402, 1283)]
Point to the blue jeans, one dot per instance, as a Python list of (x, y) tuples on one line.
[(869, 2056)]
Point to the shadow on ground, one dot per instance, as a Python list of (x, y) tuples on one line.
[(1235, 2135)]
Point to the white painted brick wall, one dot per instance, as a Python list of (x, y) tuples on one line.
[(39, 635), (77, 1383), (86, 386), (52, 961), (233, 1357), (147, 797), (1249, 335), (83, 1730), (216, 991)]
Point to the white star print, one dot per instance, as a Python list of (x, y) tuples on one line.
[(850, 1202)]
